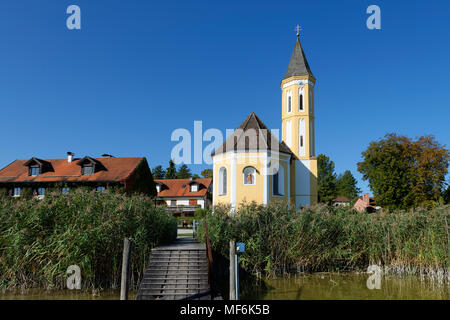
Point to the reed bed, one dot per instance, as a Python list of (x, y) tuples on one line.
[(280, 239), (39, 239)]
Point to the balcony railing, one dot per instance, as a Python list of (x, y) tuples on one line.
[(182, 208)]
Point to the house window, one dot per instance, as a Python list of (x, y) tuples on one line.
[(17, 192), (222, 181), (249, 176), (65, 190), (101, 188), (34, 170), (87, 169), (278, 182), (158, 188), (194, 188), (41, 191)]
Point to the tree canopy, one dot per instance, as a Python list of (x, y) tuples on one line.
[(346, 185), (184, 172), (158, 172), (403, 173), (171, 171), (327, 188), (207, 173)]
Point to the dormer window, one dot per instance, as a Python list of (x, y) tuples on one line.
[(89, 166), (158, 188), (194, 188), (38, 166), (87, 169), (34, 170)]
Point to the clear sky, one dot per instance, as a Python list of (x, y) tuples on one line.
[(137, 70)]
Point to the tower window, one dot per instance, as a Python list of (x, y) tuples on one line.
[(301, 141), (300, 102), (289, 103), (222, 181), (249, 176)]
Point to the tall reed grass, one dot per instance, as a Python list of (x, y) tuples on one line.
[(281, 239), (39, 239)]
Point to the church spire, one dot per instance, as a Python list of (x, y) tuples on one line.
[(298, 66)]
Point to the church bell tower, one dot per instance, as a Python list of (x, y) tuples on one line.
[(298, 130)]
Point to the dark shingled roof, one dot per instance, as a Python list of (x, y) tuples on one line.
[(253, 140), (298, 66)]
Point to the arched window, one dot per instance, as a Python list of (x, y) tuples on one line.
[(249, 175), (278, 182), (300, 100), (222, 181), (310, 100)]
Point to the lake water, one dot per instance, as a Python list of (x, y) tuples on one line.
[(333, 286), (38, 294), (348, 286)]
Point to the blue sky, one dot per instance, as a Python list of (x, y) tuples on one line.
[(137, 70)]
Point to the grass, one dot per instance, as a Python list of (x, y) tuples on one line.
[(39, 239)]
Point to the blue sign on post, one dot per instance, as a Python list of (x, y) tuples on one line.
[(240, 247)]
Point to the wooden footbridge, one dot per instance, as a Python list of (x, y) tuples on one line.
[(179, 271)]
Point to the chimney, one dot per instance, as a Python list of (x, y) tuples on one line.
[(366, 198), (70, 156)]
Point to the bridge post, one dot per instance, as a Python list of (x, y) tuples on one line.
[(232, 270), (124, 285)]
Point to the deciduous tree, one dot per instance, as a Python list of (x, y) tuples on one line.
[(207, 173), (403, 173)]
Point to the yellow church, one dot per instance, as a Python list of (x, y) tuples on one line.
[(253, 165)]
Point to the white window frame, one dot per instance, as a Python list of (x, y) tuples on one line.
[(15, 194), (194, 186), (281, 178), (301, 98), (253, 174), (223, 171), (302, 133)]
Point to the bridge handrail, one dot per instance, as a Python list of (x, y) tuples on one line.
[(208, 251)]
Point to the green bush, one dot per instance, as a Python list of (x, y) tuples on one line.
[(279, 238), (39, 239)]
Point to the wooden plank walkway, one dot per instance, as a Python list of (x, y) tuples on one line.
[(175, 272)]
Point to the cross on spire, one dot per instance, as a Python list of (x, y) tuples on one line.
[(298, 29)]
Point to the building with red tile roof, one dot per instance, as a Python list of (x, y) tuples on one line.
[(184, 196), (133, 174), (365, 204)]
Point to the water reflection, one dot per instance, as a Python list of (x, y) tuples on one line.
[(334, 286), (38, 294)]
